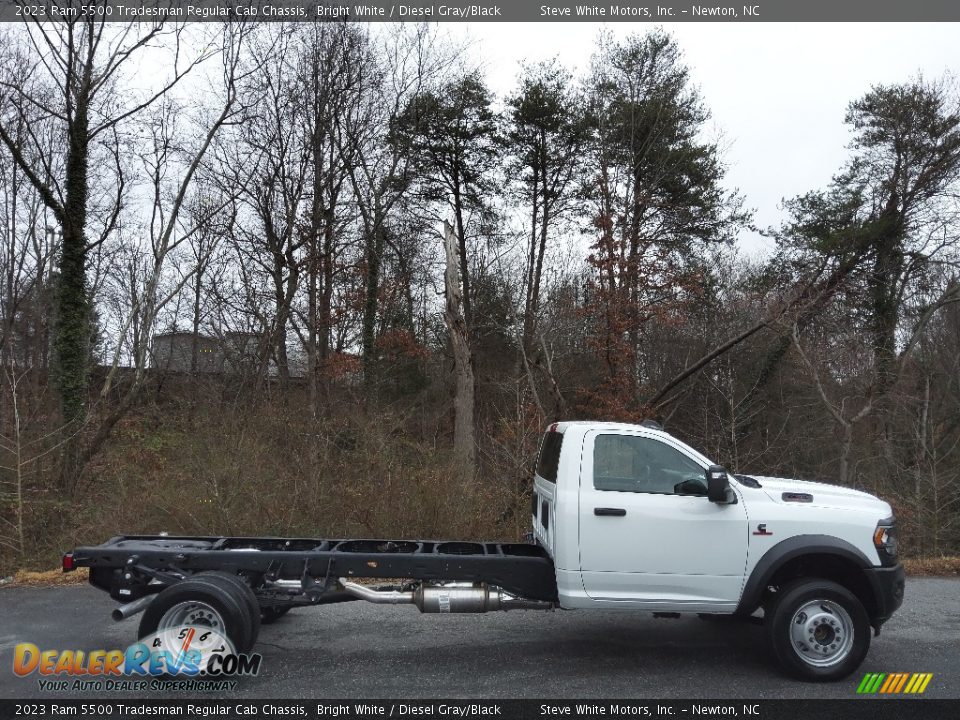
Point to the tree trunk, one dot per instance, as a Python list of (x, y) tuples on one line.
[(846, 449), (195, 334), (371, 303), (326, 294), (312, 321), (279, 340), (464, 443), (326, 189), (885, 312), (532, 266), (72, 337), (461, 237), (546, 367)]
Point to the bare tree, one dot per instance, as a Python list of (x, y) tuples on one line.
[(166, 231), (329, 58), (81, 64), (401, 64)]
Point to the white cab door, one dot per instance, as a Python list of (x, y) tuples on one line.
[(648, 534)]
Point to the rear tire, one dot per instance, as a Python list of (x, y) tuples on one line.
[(817, 630), (246, 592), (231, 614)]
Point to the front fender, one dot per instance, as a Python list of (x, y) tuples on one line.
[(790, 549)]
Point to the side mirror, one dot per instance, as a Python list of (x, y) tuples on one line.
[(718, 485)]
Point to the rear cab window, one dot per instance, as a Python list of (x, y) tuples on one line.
[(548, 462), (548, 466)]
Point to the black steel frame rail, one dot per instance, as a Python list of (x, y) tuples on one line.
[(519, 568)]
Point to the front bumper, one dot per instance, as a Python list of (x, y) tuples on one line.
[(888, 584)]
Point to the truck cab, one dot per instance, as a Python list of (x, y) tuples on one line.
[(635, 519)]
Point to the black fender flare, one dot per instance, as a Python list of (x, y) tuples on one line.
[(785, 551)]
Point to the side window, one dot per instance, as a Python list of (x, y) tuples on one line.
[(626, 463), (548, 463)]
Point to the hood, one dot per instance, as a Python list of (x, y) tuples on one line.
[(803, 492)]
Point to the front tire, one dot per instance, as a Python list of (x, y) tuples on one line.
[(817, 630)]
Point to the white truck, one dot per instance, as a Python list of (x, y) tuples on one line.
[(626, 517)]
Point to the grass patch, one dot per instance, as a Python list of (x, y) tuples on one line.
[(943, 566), (46, 578)]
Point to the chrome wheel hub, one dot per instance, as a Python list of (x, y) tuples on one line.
[(821, 633), (193, 613)]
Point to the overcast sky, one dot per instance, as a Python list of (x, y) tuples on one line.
[(777, 91)]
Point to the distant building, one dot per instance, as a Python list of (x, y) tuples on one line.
[(234, 352), (239, 351), (173, 352)]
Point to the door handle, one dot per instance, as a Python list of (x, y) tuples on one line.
[(610, 512)]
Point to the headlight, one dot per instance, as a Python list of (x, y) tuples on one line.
[(885, 541)]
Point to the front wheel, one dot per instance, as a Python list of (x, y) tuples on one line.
[(818, 630)]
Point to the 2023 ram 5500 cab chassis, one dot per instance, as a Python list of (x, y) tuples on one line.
[(626, 517)]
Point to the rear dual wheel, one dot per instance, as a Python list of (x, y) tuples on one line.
[(249, 599), (216, 600)]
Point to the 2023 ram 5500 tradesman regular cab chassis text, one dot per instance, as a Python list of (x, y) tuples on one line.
[(625, 517)]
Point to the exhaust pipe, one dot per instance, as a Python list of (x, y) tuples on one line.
[(382, 597), (452, 598), (122, 612)]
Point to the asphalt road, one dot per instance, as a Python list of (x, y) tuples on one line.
[(358, 650)]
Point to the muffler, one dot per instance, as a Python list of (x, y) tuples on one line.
[(449, 598)]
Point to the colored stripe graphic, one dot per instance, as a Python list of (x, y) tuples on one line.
[(903, 680), (923, 679), (894, 683), (891, 681)]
